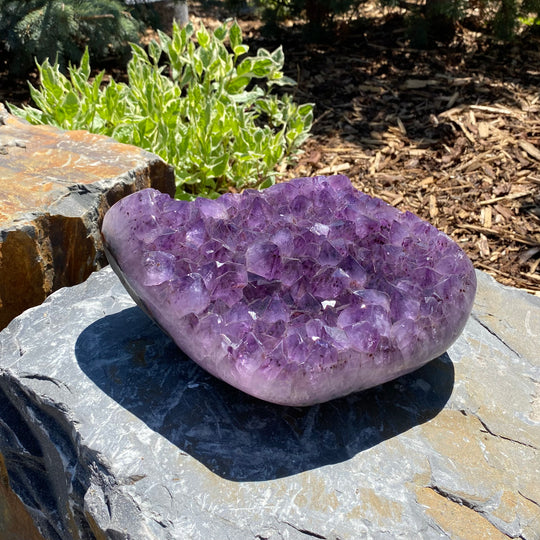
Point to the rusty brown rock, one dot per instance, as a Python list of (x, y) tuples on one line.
[(55, 187)]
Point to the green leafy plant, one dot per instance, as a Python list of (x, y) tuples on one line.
[(62, 29), (205, 108), (511, 14)]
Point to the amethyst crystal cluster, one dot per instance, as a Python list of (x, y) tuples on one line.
[(297, 294)]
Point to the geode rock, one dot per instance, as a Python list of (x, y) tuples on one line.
[(297, 294)]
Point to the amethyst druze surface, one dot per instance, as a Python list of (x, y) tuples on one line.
[(303, 292)]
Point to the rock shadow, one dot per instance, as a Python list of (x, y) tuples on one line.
[(236, 436)]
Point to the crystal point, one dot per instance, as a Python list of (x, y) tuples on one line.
[(300, 293)]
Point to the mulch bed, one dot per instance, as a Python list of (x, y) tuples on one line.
[(451, 134)]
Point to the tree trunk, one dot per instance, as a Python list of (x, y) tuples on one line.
[(181, 13), (317, 12), (440, 16)]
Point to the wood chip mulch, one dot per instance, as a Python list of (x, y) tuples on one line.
[(451, 134)]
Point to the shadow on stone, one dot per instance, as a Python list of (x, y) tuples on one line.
[(236, 436)]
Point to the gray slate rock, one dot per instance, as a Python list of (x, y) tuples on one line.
[(108, 431)]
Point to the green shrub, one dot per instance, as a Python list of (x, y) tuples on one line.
[(205, 110), (510, 14), (319, 13), (430, 21), (435, 21), (62, 29)]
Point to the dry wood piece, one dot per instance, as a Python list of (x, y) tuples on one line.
[(530, 149), (505, 197)]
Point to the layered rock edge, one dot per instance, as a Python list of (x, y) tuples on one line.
[(106, 433), (55, 188)]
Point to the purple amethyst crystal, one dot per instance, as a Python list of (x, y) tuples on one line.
[(297, 294)]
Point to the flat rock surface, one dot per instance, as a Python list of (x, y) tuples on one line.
[(107, 430), (55, 187)]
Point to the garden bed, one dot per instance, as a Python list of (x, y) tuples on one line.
[(451, 134)]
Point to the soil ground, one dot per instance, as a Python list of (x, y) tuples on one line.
[(451, 134)]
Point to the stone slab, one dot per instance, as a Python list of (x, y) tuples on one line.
[(55, 187), (108, 431)]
